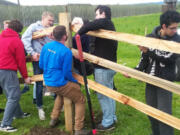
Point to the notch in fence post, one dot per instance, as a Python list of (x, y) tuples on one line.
[(65, 19)]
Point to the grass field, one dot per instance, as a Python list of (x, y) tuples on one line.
[(130, 121)]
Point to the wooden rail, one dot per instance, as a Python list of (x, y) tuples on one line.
[(167, 85), (164, 45), (153, 112), (169, 46)]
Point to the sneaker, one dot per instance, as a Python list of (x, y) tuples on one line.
[(41, 114), (25, 89), (82, 132), (100, 127), (24, 115), (8, 129), (34, 100), (1, 110), (54, 123)]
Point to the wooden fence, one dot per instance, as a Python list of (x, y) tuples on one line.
[(133, 39)]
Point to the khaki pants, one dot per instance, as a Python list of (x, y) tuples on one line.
[(72, 91)]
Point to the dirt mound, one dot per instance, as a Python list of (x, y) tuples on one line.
[(46, 131)]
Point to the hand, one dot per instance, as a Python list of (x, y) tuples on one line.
[(77, 21), (27, 80), (126, 75), (50, 35), (36, 56), (77, 56), (143, 49)]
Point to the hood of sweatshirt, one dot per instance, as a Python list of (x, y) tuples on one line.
[(9, 33), (156, 33)]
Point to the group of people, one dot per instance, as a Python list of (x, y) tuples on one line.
[(54, 60)]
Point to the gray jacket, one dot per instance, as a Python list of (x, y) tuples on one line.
[(34, 46)]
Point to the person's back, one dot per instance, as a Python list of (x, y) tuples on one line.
[(56, 62), (104, 48), (12, 54), (12, 58), (56, 57)]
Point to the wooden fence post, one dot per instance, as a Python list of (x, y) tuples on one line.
[(65, 19)]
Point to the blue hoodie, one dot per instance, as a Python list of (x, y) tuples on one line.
[(56, 62)]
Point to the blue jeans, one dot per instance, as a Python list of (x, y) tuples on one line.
[(34, 91), (108, 105), (10, 84), (39, 85)]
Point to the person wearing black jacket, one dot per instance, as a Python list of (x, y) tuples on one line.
[(106, 49), (161, 64)]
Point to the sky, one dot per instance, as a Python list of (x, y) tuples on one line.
[(61, 2)]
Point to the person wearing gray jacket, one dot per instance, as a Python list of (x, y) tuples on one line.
[(34, 47)]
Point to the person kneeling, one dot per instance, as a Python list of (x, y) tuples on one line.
[(56, 63)]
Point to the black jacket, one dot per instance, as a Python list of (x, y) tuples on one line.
[(104, 48), (159, 63)]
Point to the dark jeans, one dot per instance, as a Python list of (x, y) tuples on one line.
[(162, 100), (39, 85), (1, 91)]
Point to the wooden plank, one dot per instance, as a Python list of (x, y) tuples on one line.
[(164, 45), (65, 19), (153, 112), (42, 33), (167, 85), (68, 109)]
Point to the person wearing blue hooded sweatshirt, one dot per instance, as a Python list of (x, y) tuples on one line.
[(56, 63)]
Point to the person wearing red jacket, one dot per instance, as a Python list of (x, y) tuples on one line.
[(5, 23), (12, 58)]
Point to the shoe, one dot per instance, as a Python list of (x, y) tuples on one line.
[(1, 110), (54, 123), (34, 101), (82, 132), (25, 115), (100, 127), (7, 128), (41, 114), (25, 89)]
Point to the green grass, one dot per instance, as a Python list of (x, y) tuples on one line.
[(130, 121)]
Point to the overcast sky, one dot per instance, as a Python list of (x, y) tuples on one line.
[(60, 2)]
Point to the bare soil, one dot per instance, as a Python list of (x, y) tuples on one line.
[(46, 131)]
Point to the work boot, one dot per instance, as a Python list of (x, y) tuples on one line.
[(82, 132), (54, 123)]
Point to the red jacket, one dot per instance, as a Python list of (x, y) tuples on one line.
[(12, 55)]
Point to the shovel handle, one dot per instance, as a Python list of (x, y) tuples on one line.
[(79, 46)]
